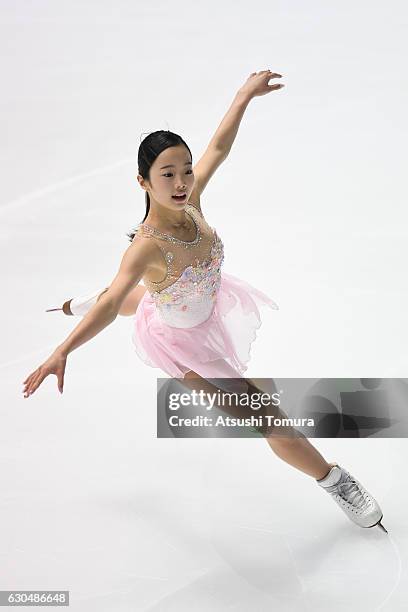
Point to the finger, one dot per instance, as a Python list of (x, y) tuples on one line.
[(61, 383), (27, 384), (34, 387), (28, 390), (35, 383), (29, 376)]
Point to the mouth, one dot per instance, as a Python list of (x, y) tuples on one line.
[(180, 198)]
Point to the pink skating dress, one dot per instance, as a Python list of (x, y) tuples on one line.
[(198, 317)]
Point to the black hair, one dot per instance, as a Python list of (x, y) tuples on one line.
[(149, 149)]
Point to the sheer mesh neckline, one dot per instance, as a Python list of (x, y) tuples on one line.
[(173, 238), (178, 253)]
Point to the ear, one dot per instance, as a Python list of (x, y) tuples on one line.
[(142, 182)]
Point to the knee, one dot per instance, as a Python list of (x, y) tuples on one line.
[(190, 374)]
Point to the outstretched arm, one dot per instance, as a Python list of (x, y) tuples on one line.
[(221, 143), (135, 261)]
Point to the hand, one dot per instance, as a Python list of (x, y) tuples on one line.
[(55, 364), (257, 83)]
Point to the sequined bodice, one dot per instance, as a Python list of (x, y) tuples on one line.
[(187, 294)]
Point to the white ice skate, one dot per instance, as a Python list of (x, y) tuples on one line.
[(80, 305), (352, 497)]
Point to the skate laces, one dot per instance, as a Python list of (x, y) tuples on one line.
[(350, 492)]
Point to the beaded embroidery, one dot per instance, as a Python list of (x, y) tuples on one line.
[(149, 231), (190, 291)]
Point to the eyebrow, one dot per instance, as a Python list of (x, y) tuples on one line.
[(172, 166)]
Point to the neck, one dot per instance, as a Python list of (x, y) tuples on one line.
[(165, 218)]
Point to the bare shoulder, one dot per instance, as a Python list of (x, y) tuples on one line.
[(149, 254)]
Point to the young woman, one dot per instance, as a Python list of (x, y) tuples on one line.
[(192, 320)]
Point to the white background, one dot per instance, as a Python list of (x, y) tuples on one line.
[(311, 207)]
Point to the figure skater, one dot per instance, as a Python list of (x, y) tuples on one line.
[(192, 320)]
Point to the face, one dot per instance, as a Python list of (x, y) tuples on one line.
[(176, 178)]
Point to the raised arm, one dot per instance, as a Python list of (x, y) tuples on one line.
[(221, 143), (136, 260)]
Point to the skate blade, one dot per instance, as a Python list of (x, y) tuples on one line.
[(382, 526), (52, 309)]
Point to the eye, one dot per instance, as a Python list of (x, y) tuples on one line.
[(169, 173)]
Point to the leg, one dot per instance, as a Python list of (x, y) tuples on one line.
[(131, 301), (301, 454), (296, 451)]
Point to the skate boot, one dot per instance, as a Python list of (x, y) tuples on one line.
[(79, 306), (352, 497)]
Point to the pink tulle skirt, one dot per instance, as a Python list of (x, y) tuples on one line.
[(217, 348)]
